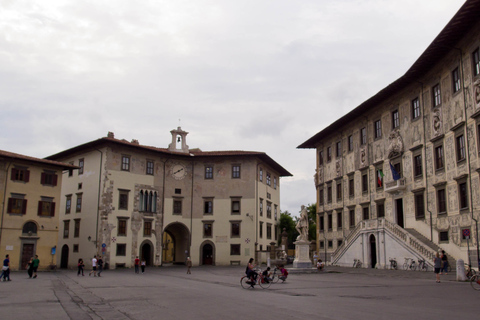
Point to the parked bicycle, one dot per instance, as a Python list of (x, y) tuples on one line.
[(422, 265), (469, 272), (409, 264), (262, 281), (393, 264), (357, 263), (475, 281)]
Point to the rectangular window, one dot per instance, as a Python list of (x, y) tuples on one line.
[(17, 205), (269, 179), (415, 108), (208, 206), (269, 210), (330, 243), (122, 227), (177, 206), (476, 62), (235, 206), (380, 210), (329, 221), (46, 207), (81, 163), (260, 174), (236, 172), (147, 228), (125, 163), (437, 99), (329, 154), (48, 179), (419, 206), (269, 231), (260, 229), (366, 213), (261, 207), (417, 165), (398, 168), (442, 201), (322, 244), (76, 231), (208, 172), (351, 214), (439, 161), (462, 194), (456, 85), (329, 194), (339, 191), (321, 223), (66, 229), (460, 145), (365, 183), (150, 168), (339, 220), (123, 199), (320, 158), (443, 236), (350, 143), (276, 212), (363, 136), (78, 207), (351, 187), (234, 249), (235, 229), (20, 174), (207, 229), (338, 149), (275, 183), (321, 196), (121, 249), (395, 119), (75, 248), (68, 203), (378, 129)]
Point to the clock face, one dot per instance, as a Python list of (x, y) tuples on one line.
[(179, 171)]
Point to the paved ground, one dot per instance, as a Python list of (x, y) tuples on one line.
[(215, 293)]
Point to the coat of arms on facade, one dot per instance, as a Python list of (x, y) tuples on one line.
[(476, 94), (395, 144), (363, 156), (338, 167), (437, 122)]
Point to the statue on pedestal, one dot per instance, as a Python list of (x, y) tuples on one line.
[(302, 225)]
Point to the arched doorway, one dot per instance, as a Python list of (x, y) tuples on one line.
[(373, 251), (146, 252), (64, 258), (207, 253), (176, 243)]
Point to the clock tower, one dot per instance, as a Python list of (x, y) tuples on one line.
[(178, 136)]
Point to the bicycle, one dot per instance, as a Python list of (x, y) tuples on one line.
[(357, 263), (475, 282), (276, 274), (469, 272), (262, 281), (393, 264), (409, 266), (422, 265)]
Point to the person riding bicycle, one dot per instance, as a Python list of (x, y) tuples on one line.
[(250, 272)]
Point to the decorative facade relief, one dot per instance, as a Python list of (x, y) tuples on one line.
[(395, 144), (476, 94), (363, 156), (437, 125), (338, 167), (318, 176)]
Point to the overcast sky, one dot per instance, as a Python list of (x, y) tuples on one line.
[(240, 75)]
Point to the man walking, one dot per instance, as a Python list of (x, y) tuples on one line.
[(5, 269), (100, 265), (94, 267), (137, 264), (36, 263)]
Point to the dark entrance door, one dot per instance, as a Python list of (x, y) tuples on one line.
[(27, 253), (207, 256), (400, 219), (64, 258), (147, 254), (373, 251)]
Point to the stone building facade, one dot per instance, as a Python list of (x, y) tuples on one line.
[(164, 204), (30, 198), (398, 176)]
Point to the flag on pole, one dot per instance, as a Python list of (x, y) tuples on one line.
[(380, 178), (395, 174)]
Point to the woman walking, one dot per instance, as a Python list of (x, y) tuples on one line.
[(81, 266), (437, 264), (30, 268)]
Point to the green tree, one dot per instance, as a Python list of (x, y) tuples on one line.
[(286, 221), (312, 221)]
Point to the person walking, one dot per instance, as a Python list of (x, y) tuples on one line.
[(144, 263), (81, 266), (36, 263), (5, 269), (189, 265), (444, 263), (137, 264), (94, 267), (437, 264), (99, 265), (30, 268)]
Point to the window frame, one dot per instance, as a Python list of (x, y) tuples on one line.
[(436, 95), (76, 228), (208, 172), (236, 171), (416, 112), (150, 170), (395, 119), (363, 136), (235, 232), (456, 81), (125, 165), (377, 129), (350, 143), (419, 205), (476, 62), (177, 206), (460, 147), (147, 228), (234, 201)]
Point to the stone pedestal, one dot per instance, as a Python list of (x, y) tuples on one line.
[(302, 256)]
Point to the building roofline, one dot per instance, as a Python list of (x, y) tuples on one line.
[(16, 156), (465, 17)]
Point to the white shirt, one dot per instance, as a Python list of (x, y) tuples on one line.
[(94, 262)]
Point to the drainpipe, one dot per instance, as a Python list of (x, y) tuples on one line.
[(191, 208), (4, 198), (98, 200), (163, 207)]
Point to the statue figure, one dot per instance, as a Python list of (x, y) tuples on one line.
[(302, 225)]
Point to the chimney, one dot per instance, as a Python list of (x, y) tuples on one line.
[(111, 135)]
